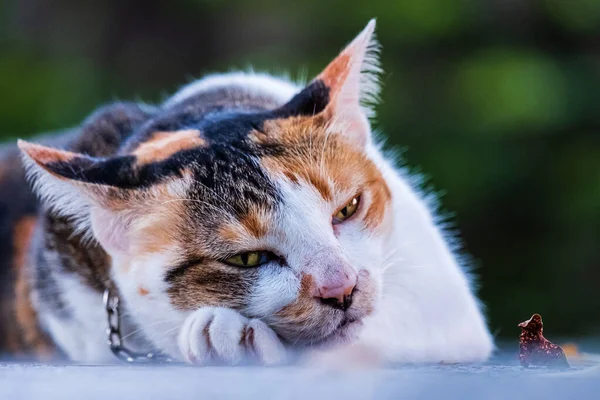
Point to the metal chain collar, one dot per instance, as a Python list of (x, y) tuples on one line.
[(115, 340)]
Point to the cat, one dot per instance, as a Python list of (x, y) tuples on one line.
[(245, 219)]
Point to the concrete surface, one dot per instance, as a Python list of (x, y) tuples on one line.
[(490, 381)]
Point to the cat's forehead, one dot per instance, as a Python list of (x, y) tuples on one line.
[(243, 153), (241, 167), (192, 135)]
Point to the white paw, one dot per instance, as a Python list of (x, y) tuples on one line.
[(213, 335)]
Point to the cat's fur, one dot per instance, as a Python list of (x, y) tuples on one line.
[(154, 198)]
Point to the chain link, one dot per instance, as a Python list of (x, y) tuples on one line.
[(115, 340)]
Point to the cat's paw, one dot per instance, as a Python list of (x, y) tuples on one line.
[(214, 335)]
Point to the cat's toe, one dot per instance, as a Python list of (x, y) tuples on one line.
[(193, 338), (226, 336), (264, 343)]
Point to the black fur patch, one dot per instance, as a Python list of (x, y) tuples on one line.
[(180, 269), (212, 284), (310, 101), (105, 131)]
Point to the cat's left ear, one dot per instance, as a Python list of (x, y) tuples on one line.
[(350, 85)]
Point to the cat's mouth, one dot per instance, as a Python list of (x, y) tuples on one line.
[(327, 330), (309, 323), (351, 321)]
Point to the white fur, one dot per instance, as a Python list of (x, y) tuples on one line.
[(254, 83), (153, 312), (276, 287), (428, 312), (82, 336), (59, 195)]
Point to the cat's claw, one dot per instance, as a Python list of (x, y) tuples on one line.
[(214, 335)]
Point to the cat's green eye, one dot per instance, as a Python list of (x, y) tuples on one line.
[(346, 212), (250, 259)]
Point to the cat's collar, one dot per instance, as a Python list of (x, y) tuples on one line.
[(115, 339)]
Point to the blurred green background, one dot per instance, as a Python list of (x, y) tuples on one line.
[(495, 100)]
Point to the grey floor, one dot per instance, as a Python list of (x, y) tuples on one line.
[(491, 381)]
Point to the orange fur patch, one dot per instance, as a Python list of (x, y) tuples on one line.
[(230, 233), (255, 223), (158, 232), (44, 155), (163, 217), (332, 165), (252, 225), (143, 291), (380, 199), (25, 314), (304, 306), (163, 145), (336, 73)]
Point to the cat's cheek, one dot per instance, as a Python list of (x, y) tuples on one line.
[(275, 287), (142, 286)]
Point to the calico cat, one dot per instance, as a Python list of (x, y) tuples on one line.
[(244, 219)]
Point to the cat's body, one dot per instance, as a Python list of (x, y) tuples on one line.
[(212, 216)]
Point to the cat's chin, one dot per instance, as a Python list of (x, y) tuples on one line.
[(346, 332)]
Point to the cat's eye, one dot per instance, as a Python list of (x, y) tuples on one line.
[(250, 259), (347, 211)]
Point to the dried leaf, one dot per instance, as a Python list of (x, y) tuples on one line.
[(535, 349)]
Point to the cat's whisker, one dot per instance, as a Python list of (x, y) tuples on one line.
[(328, 129), (310, 133), (146, 327), (126, 314), (323, 150), (219, 209), (217, 195), (389, 260), (171, 330)]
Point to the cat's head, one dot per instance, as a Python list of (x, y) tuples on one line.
[(280, 214)]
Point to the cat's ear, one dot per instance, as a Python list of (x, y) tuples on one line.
[(91, 191), (349, 87)]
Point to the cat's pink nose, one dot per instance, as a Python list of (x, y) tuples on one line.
[(338, 293)]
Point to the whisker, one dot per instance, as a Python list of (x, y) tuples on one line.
[(311, 129), (146, 327), (212, 191), (171, 330), (389, 259), (219, 209)]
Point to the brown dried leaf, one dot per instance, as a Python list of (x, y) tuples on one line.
[(535, 349)]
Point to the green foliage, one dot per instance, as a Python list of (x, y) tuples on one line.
[(503, 90)]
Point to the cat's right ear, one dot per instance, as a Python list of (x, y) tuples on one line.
[(100, 194), (62, 179)]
